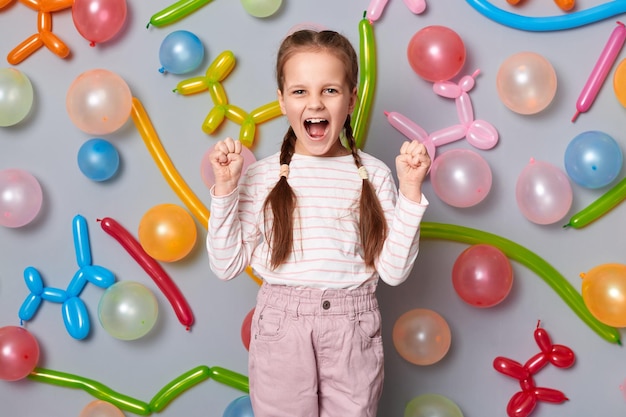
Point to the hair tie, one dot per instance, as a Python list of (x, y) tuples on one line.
[(284, 171), (363, 173)]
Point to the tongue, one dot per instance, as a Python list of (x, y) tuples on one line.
[(317, 129)]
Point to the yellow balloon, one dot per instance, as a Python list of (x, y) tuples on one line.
[(167, 232), (604, 293), (619, 82)]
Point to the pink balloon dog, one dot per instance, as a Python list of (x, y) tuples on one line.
[(478, 133)]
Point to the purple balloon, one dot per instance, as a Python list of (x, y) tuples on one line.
[(20, 197)]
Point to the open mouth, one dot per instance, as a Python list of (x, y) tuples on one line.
[(316, 128)]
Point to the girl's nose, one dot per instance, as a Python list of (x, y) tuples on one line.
[(315, 102)]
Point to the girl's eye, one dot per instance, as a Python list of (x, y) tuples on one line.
[(331, 91), (298, 92)]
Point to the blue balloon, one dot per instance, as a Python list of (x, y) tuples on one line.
[(98, 159), (593, 159), (81, 240), (181, 52), (550, 23), (76, 318), (240, 407), (29, 307)]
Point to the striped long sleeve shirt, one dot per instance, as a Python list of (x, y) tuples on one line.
[(327, 251)]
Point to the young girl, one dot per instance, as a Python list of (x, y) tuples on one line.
[(320, 223)]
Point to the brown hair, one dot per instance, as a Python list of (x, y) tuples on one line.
[(282, 200)]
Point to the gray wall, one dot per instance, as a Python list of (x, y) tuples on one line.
[(46, 144)]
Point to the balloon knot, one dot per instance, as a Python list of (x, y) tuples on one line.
[(92, 44)]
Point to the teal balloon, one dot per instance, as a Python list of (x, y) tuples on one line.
[(261, 8), (98, 159), (181, 52), (240, 407), (593, 159), (432, 405), (16, 96)]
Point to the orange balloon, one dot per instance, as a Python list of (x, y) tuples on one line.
[(167, 232), (604, 293), (619, 82), (56, 45), (421, 336), (526, 83), (99, 408), (24, 49)]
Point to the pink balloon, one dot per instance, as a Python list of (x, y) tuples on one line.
[(421, 336), (482, 275), (99, 102), (19, 353), (526, 83), (20, 197), (207, 172), (543, 193), (98, 20), (461, 177), (436, 53)]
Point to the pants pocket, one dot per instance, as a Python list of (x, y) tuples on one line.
[(369, 325), (271, 324)]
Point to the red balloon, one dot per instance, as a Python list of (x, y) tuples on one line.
[(246, 329), (521, 404), (436, 53), (152, 267), (537, 362), (19, 353), (543, 339), (98, 20), (561, 356), (511, 368), (482, 275), (550, 395)]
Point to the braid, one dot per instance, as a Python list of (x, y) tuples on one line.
[(282, 202), (372, 222)]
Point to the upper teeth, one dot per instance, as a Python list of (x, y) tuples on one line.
[(316, 120)]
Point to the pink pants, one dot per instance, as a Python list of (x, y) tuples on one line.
[(316, 353)]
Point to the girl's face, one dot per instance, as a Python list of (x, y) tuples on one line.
[(316, 100)]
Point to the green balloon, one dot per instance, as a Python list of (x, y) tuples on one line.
[(128, 310), (432, 405), (261, 8), (16, 96), (176, 387)]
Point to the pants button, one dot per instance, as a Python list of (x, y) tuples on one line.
[(326, 305)]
